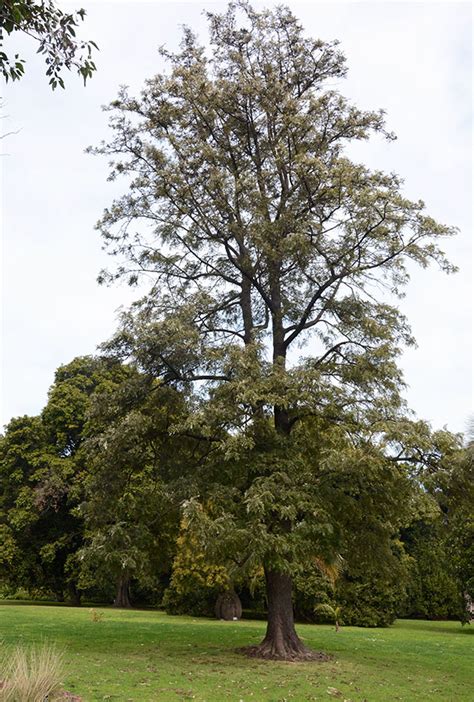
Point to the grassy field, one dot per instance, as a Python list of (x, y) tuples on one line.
[(150, 657)]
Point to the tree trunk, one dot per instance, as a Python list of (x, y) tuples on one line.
[(228, 606), (74, 595), (281, 641), (122, 598)]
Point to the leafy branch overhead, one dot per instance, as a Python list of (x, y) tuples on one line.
[(55, 33)]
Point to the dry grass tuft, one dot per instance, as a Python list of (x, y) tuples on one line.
[(95, 615), (32, 675)]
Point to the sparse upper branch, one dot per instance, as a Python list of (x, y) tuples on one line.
[(238, 175)]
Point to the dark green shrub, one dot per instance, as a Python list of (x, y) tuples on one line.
[(310, 591), (197, 602), (433, 590)]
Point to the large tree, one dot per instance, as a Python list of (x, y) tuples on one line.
[(260, 235)]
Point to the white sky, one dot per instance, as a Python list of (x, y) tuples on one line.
[(412, 59)]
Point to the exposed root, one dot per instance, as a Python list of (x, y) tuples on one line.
[(301, 654)]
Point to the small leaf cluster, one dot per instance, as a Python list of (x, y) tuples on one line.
[(55, 33)]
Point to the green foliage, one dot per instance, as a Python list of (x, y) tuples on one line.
[(55, 33), (199, 601), (370, 600), (441, 541), (66, 412), (314, 597), (26, 502), (8, 550), (92, 489), (433, 590), (42, 483), (442, 546), (195, 583), (459, 496), (134, 482)]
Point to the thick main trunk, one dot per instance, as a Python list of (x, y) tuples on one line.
[(281, 641), (122, 598)]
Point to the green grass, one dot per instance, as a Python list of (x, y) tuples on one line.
[(149, 656)]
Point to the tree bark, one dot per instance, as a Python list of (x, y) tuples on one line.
[(228, 606), (122, 598), (281, 641), (74, 595)]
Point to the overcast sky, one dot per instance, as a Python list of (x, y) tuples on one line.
[(412, 59)]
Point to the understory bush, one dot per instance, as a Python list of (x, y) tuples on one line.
[(313, 597), (198, 601), (371, 598)]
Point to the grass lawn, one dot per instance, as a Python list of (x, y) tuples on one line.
[(150, 657)]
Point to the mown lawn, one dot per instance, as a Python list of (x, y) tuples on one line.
[(149, 656)]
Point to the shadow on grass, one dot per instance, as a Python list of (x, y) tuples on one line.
[(432, 626)]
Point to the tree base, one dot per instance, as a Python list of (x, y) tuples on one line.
[(122, 598), (293, 654), (281, 642)]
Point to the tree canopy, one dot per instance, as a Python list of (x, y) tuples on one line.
[(261, 238)]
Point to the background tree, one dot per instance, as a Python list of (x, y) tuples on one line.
[(133, 487), (55, 33), (42, 482), (22, 455), (450, 536), (262, 235), (95, 483), (369, 500), (434, 591), (195, 583), (460, 510)]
